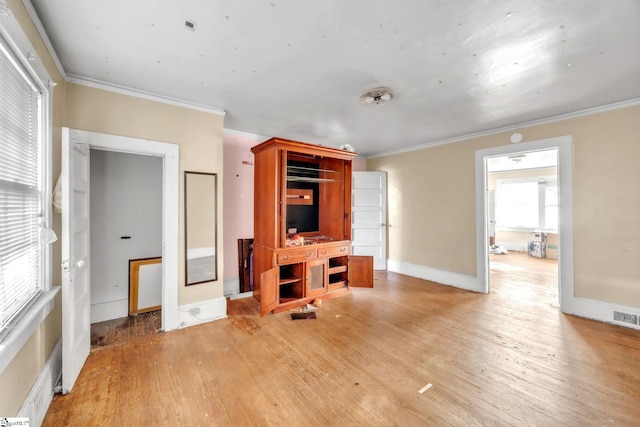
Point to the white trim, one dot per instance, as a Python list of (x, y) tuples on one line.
[(443, 277), (37, 403), (19, 333), (517, 126), (14, 34), (111, 87), (564, 144), (202, 312), (244, 134), (125, 90), (170, 206), (44, 36), (599, 310)]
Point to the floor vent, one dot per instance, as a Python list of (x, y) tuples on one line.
[(619, 316)]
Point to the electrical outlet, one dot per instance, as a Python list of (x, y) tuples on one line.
[(194, 311)]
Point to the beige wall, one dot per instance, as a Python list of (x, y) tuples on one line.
[(432, 202), (199, 135)]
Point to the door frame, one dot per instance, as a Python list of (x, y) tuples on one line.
[(170, 208), (564, 145)]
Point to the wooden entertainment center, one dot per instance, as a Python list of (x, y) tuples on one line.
[(302, 225)]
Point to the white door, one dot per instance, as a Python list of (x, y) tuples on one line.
[(369, 217), (76, 339)]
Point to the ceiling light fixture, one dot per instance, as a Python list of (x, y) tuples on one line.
[(517, 157), (377, 97)]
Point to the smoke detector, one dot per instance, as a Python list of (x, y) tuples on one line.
[(377, 97)]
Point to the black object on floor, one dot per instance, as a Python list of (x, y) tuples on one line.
[(307, 315)]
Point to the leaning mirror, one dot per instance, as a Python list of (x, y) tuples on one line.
[(200, 227)]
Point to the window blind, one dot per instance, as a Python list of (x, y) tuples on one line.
[(21, 182)]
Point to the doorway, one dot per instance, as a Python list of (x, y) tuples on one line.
[(523, 221), (75, 238), (125, 224), (564, 145)]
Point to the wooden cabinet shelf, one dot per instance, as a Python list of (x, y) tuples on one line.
[(307, 188), (338, 269), (287, 280)]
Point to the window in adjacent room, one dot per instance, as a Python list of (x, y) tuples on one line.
[(527, 203)]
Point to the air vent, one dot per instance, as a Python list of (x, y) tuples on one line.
[(619, 316), (190, 24)]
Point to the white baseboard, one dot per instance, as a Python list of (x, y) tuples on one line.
[(513, 247), (37, 403), (202, 312), (602, 311), (109, 310), (463, 281)]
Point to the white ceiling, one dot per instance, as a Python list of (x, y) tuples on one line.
[(296, 69)]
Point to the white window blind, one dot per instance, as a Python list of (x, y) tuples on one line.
[(21, 184)]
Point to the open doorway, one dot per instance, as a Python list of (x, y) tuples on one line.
[(523, 224), (564, 145), (125, 226), (76, 259)]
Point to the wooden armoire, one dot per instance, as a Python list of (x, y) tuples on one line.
[(302, 225)]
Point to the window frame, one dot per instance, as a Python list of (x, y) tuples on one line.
[(29, 320)]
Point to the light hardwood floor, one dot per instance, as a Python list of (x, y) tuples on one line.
[(508, 358)]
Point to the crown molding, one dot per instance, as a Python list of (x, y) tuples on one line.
[(43, 35), (523, 125), (124, 90), (73, 78), (241, 134)]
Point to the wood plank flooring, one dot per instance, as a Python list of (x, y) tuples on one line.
[(125, 329), (509, 358)]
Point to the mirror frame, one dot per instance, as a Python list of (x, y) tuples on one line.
[(186, 227)]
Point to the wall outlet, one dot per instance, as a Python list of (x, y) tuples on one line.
[(194, 311)]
